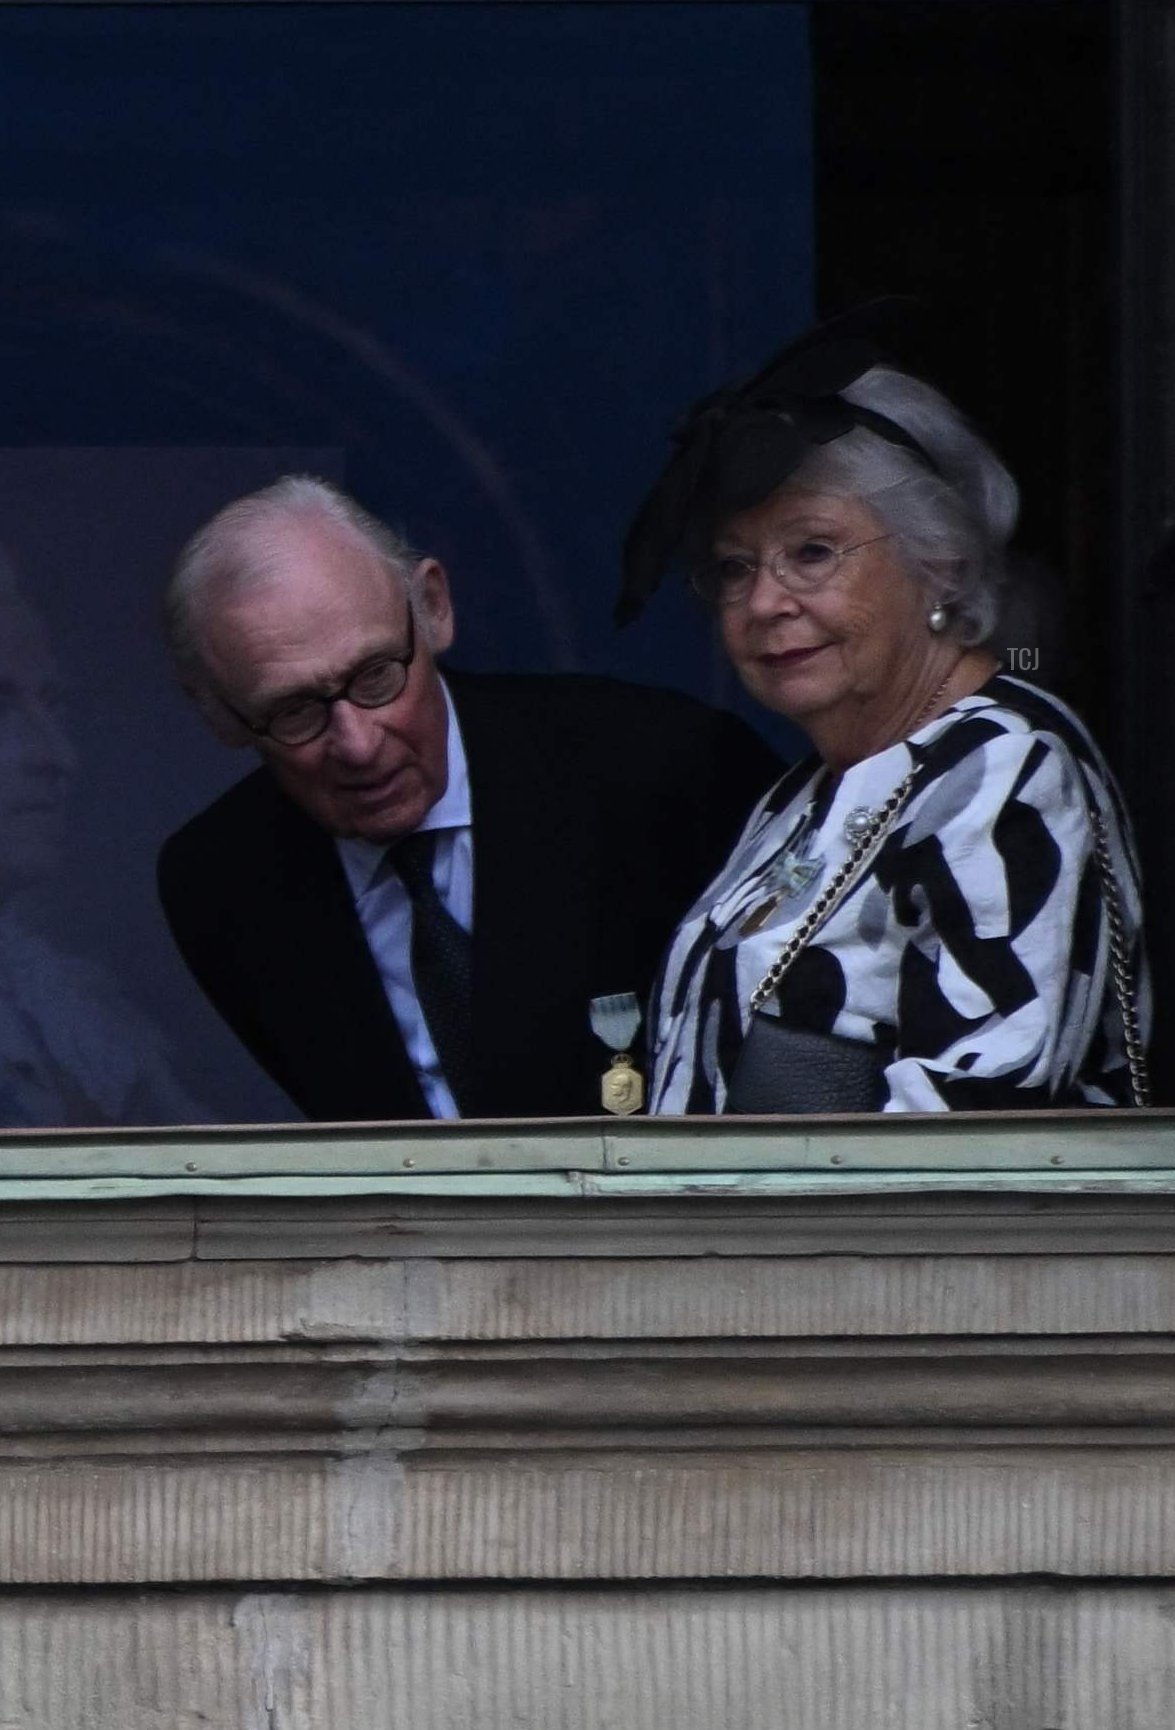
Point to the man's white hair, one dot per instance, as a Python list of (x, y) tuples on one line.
[(243, 544)]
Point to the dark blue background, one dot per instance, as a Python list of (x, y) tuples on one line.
[(485, 253)]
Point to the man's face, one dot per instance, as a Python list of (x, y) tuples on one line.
[(330, 606), (36, 758)]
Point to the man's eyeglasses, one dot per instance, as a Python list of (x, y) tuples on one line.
[(299, 720), (801, 568)]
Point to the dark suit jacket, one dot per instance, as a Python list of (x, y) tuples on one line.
[(600, 810)]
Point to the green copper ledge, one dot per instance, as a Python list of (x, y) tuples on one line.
[(590, 1156)]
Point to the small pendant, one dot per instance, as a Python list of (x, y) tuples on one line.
[(622, 1088), (788, 878), (758, 916), (797, 872)]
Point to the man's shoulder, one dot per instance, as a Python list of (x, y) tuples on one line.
[(252, 811), (559, 690), (660, 750), (582, 702)]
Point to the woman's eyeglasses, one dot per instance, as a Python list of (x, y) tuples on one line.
[(801, 568)]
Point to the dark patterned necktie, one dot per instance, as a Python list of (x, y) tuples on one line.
[(442, 963)]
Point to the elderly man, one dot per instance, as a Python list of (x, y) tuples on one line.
[(409, 909)]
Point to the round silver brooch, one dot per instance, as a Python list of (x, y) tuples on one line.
[(858, 823)]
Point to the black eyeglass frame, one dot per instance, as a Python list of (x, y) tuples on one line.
[(326, 700)]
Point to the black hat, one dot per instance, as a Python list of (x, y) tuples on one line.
[(741, 442)]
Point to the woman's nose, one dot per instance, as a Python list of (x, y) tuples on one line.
[(767, 596)]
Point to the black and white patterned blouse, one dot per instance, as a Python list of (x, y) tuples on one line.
[(973, 952)]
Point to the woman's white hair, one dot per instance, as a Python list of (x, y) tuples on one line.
[(243, 544), (952, 526)]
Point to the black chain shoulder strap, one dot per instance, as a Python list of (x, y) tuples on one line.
[(866, 850), (835, 891)]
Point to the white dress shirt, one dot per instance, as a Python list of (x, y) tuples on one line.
[(385, 912)]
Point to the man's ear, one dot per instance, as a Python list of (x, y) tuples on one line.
[(434, 605)]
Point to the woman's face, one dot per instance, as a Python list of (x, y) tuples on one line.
[(844, 657)]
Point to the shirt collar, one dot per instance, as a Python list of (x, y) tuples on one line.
[(362, 859)]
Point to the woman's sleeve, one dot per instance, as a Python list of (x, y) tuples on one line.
[(992, 891)]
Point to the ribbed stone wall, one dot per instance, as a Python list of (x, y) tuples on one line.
[(900, 1658), (824, 1462)]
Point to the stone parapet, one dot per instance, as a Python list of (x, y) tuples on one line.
[(586, 1448)]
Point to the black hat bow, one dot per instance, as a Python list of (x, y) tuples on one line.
[(741, 442)]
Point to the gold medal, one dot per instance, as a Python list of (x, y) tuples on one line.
[(622, 1088), (616, 1020)]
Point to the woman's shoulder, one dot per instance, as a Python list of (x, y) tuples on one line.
[(1030, 721), (1011, 743), (1014, 706)]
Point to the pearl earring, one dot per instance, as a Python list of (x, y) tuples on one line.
[(936, 618)]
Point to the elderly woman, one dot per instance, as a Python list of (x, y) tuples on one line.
[(939, 909)]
